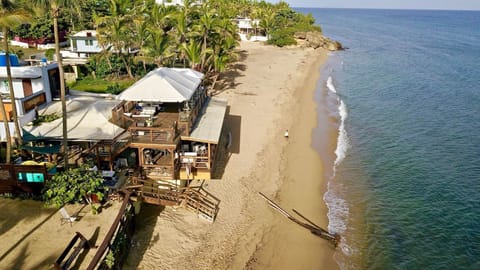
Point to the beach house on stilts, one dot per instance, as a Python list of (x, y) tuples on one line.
[(175, 130), (164, 128)]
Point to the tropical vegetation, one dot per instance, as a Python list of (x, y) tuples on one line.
[(74, 185), (139, 35)]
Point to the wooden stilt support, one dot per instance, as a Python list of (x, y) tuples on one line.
[(309, 225)]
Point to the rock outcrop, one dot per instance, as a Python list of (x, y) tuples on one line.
[(317, 40)]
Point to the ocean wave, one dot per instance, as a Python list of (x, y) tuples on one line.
[(330, 85), (337, 211), (343, 142)]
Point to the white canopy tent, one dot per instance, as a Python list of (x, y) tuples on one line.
[(87, 120), (164, 85)]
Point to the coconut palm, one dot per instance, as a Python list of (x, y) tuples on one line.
[(193, 53), (204, 27), (55, 7), (10, 15), (115, 32)]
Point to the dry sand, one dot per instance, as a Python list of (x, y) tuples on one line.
[(270, 90), (33, 237)]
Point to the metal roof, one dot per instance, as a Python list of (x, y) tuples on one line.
[(209, 126)]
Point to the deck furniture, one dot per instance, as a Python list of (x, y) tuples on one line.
[(66, 218)]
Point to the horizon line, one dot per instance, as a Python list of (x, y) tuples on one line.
[(377, 8)]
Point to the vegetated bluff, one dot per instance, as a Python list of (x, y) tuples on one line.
[(317, 40)]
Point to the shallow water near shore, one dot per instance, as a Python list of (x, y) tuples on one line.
[(405, 99)]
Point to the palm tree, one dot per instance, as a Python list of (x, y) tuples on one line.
[(55, 7), (10, 15), (206, 24), (115, 31), (193, 52)]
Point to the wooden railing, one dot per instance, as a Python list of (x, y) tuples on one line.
[(153, 134), (196, 161), (201, 202), (114, 248), (159, 192)]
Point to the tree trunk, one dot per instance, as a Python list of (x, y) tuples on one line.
[(127, 67), (18, 134), (62, 89), (7, 131), (204, 54)]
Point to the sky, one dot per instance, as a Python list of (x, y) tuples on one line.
[(388, 4)]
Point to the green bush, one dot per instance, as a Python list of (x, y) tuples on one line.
[(73, 185), (114, 89), (45, 119), (282, 37), (49, 54)]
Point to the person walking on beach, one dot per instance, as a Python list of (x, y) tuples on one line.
[(286, 134)]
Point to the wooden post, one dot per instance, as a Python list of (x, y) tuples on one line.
[(312, 227)]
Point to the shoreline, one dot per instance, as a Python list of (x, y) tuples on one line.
[(266, 86), (304, 183)]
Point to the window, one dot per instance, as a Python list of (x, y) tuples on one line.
[(31, 177), (88, 42), (27, 87)]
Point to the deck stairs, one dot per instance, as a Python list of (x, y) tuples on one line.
[(194, 199), (201, 203)]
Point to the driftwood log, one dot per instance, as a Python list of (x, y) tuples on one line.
[(333, 238)]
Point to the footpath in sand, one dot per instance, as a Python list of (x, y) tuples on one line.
[(270, 90)]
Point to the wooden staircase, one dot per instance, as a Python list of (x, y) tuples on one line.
[(201, 203), (194, 199)]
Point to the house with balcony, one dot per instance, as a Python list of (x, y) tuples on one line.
[(163, 130), (82, 45), (172, 124), (250, 30), (34, 86)]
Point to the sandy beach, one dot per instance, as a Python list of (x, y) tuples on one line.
[(270, 90), (33, 236)]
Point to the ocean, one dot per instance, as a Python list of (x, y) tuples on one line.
[(404, 98)]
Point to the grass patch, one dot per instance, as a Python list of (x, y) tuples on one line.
[(89, 84)]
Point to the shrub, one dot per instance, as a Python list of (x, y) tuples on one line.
[(282, 37), (73, 185), (49, 54), (114, 89)]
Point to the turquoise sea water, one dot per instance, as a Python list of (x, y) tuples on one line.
[(405, 188)]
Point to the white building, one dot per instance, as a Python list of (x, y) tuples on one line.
[(33, 86), (175, 2), (83, 44), (250, 30)]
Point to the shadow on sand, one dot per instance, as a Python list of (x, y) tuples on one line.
[(145, 223), (229, 143), (9, 221), (227, 79)]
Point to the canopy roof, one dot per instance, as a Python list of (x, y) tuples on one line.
[(22, 72), (87, 120), (209, 126), (164, 85)]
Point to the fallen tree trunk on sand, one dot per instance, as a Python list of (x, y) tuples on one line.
[(309, 225)]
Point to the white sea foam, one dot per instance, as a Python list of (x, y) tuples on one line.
[(337, 211), (330, 85), (343, 142)]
